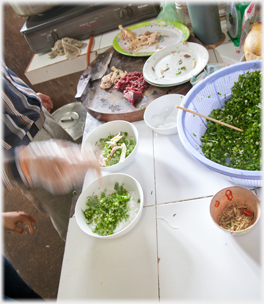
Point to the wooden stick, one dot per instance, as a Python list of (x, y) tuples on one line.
[(209, 118)]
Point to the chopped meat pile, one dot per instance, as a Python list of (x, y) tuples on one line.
[(133, 85), (145, 39), (112, 78), (126, 34), (136, 43)]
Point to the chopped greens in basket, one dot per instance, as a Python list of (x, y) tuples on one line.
[(243, 110), (106, 211), (115, 148)]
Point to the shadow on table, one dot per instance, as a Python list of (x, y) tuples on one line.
[(250, 242)]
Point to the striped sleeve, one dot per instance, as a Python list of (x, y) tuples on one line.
[(9, 171), (21, 108)]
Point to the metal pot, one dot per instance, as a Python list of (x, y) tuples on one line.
[(27, 10)]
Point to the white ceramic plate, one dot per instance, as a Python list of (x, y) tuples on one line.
[(178, 68)]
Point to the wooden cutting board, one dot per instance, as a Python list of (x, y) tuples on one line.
[(108, 105)]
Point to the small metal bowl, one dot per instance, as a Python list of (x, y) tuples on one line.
[(71, 117)]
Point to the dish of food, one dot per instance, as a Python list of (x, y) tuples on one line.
[(110, 206), (140, 41), (109, 135), (235, 210), (144, 39), (235, 217), (111, 212), (175, 64), (115, 148)]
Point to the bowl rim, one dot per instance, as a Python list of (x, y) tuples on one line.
[(240, 231), (117, 234), (152, 104), (236, 173)]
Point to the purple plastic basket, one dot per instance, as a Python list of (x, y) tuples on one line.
[(203, 98)]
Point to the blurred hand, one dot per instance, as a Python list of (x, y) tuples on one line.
[(56, 165), (11, 220), (46, 101)]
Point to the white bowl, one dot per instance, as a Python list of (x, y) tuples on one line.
[(161, 114), (114, 127), (240, 195), (96, 187)]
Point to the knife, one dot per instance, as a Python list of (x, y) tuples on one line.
[(86, 75), (94, 71)]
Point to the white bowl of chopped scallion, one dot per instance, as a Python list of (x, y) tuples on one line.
[(110, 206), (116, 143)]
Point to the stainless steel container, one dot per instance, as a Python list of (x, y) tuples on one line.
[(205, 22)]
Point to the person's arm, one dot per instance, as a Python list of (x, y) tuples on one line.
[(54, 165), (46, 101), (9, 170), (12, 219)]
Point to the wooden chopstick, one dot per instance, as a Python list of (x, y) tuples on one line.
[(209, 118)]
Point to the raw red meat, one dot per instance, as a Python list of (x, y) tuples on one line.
[(133, 84), (132, 94)]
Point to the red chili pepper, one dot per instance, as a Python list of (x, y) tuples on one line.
[(229, 194), (246, 212), (217, 203)]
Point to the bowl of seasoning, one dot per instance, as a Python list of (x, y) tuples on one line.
[(161, 114), (116, 143), (235, 210), (231, 95), (110, 206)]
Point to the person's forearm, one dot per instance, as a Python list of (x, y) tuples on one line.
[(10, 171)]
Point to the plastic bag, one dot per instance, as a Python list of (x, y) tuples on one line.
[(168, 12), (252, 14)]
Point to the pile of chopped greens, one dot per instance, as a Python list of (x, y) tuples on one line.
[(107, 211), (106, 148), (231, 148)]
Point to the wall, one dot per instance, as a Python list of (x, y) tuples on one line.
[(17, 55)]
